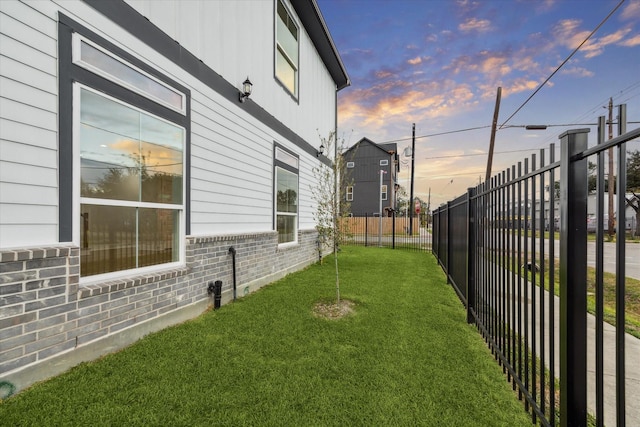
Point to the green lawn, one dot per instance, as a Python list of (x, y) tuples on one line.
[(405, 357)]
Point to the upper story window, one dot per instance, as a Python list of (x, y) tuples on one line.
[(384, 162), (286, 49), (351, 165)]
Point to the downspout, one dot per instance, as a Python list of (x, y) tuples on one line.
[(335, 171), (232, 251)]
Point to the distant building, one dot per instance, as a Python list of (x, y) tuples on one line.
[(363, 162)]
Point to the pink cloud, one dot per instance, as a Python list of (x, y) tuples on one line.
[(495, 66), (474, 24), (415, 61), (383, 74), (568, 34), (577, 72), (597, 46), (631, 42), (631, 11)]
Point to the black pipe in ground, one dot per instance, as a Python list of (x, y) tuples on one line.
[(215, 289), (232, 251)]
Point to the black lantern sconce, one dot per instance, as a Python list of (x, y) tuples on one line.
[(246, 90), (320, 150)]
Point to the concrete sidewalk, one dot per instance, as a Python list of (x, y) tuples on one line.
[(632, 359)]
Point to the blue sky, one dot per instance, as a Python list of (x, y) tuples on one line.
[(438, 64)]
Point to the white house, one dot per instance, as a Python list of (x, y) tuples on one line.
[(134, 174)]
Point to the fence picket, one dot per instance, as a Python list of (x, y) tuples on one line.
[(485, 241)]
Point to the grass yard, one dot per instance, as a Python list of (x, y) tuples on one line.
[(406, 356)]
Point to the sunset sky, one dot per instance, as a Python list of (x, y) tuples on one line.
[(438, 64)]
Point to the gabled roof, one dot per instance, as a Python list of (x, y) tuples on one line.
[(312, 19), (387, 148)]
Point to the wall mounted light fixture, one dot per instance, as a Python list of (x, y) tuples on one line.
[(246, 90), (320, 150)]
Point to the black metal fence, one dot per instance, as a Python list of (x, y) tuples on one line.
[(397, 232), (527, 291)]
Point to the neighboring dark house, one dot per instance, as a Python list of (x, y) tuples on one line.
[(364, 161)]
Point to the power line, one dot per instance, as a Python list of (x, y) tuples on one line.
[(447, 175), (482, 154), (563, 62), (483, 127), (436, 134)]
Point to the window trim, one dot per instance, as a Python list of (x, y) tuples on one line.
[(351, 165), (277, 163), (384, 192), (71, 74), (278, 47), (349, 193), (79, 200), (384, 162), (77, 41)]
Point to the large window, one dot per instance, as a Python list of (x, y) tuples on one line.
[(286, 195), (286, 49), (129, 146), (131, 178)]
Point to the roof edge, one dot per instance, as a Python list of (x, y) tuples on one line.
[(313, 21)]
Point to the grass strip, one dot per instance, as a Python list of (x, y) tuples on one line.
[(405, 357)]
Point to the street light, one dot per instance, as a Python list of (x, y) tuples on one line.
[(490, 158)]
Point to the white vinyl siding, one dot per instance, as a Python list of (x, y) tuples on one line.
[(28, 126), (200, 33), (231, 152)]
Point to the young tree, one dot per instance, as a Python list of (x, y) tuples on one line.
[(331, 208)]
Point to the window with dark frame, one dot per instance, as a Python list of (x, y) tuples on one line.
[(286, 195), (130, 158), (286, 49)]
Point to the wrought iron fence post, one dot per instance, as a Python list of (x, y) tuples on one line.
[(393, 229), (449, 240), (573, 279), (471, 253), (366, 229)]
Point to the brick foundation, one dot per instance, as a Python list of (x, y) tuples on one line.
[(48, 318)]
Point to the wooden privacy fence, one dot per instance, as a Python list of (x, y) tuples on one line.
[(392, 232), (371, 225)]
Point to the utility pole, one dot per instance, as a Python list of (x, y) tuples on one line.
[(611, 223), (494, 125), (413, 159)]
